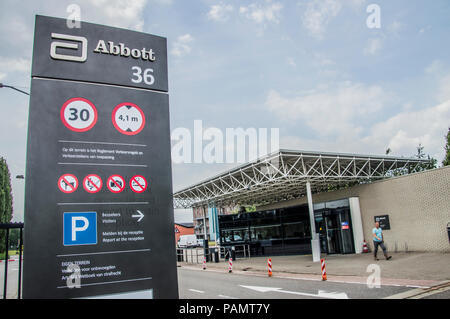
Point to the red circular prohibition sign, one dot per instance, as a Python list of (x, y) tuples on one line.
[(118, 127), (89, 180), (70, 127), (70, 183), (138, 188), (112, 183)]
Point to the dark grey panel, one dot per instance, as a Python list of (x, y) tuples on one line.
[(146, 260), (98, 67)]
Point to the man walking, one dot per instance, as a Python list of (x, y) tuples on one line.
[(379, 241)]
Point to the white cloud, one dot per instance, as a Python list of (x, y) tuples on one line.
[(336, 119), (444, 89), (13, 66), (435, 67), (220, 12), (269, 13), (182, 45), (120, 13), (406, 130), (330, 111), (373, 46), (395, 27), (290, 61), (318, 15)]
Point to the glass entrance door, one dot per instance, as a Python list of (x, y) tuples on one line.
[(348, 246), (334, 241), (334, 228)]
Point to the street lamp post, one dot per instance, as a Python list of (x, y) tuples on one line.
[(12, 87)]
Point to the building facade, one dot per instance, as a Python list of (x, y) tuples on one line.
[(418, 206), (183, 229), (411, 201)]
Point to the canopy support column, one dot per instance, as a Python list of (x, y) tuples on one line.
[(315, 243)]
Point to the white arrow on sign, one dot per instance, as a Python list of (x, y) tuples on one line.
[(140, 215), (321, 294)]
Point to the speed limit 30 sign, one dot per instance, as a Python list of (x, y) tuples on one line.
[(79, 114)]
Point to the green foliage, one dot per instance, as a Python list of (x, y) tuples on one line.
[(432, 162), (6, 199), (446, 161), (250, 209)]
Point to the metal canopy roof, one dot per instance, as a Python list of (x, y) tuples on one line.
[(283, 175)]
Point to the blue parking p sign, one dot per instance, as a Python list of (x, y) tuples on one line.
[(80, 229)]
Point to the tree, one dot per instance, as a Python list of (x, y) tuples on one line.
[(6, 199), (446, 161), (432, 162)]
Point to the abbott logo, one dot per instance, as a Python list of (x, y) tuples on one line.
[(56, 44)]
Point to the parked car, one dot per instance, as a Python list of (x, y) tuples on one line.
[(186, 241)]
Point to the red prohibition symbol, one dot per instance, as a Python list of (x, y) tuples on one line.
[(92, 183), (128, 118), (79, 114), (138, 184), (116, 184), (68, 183)]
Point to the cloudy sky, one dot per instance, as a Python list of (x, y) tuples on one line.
[(311, 68)]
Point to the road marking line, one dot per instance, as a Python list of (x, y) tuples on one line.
[(199, 291)]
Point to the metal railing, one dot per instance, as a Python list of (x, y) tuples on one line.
[(240, 251), (7, 227), (192, 255)]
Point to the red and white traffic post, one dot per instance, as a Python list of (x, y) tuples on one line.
[(324, 272), (269, 265)]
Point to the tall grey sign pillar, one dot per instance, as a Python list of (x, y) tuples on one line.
[(98, 198), (315, 243)]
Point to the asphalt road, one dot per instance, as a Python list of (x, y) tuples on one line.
[(198, 284), (13, 279)]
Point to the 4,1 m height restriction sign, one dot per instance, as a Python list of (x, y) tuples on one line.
[(128, 119)]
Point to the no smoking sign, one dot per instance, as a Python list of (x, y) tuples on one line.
[(79, 114)]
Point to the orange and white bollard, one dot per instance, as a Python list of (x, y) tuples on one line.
[(230, 265), (324, 272), (204, 263), (269, 265), (365, 248)]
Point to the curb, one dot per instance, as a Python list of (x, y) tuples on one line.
[(420, 293)]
